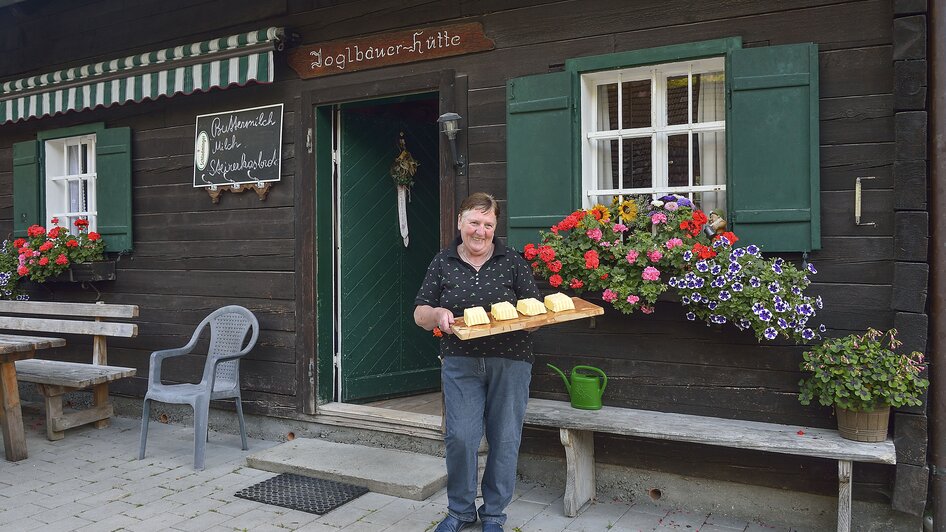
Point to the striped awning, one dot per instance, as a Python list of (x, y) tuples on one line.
[(198, 67)]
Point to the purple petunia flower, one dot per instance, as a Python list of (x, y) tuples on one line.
[(716, 269), (735, 267), (811, 268), (777, 269), (818, 302), (752, 249), (724, 296), (822, 328), (699, 282), (702, 266), (672, 282), (782, 323), (796, 290), (739, 252), (754, 282), (685, 300), (781, 306), (807, 334), (691, 316), (737, 287), (696, 297), (716, 318), (687, 255), (758, 307), (684, 202), (774, 287), (770, 333), (765, 315)]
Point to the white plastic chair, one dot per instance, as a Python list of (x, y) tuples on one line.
[(221, 379)]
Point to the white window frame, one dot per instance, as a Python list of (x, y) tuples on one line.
[(58, 178), (658, 131)]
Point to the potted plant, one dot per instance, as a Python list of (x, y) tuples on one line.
[(55, 254), (862, 376), (632, 252)]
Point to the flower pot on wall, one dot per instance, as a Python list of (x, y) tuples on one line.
[(867, 426), (100, 270)]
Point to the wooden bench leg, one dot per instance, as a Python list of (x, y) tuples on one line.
[(53, 402), (100, 399), (844, 495), (14, 436), (579, 468)]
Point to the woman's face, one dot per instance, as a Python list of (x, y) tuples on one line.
[(476, 230)]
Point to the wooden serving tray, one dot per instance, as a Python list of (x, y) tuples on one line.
[(583, 309)]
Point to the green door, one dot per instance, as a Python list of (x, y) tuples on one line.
[(383, 353)]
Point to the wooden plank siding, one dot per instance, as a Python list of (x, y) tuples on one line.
[(192, 256)]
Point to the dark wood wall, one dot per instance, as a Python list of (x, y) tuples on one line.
[(191, 256)]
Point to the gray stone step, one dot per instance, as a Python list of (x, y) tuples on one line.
[(391, 472)]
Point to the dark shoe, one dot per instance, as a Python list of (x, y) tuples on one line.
[(492, 527), (452, 524)]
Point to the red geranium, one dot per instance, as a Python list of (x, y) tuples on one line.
[(591, 259), (555, 280), (530, 252)]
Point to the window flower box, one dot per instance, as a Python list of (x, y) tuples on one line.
[(79, 272)]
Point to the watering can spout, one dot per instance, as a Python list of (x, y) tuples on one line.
[(568, 386)]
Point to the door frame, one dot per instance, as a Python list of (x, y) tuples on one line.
[(314, 337)]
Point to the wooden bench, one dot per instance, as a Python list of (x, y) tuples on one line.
[(55, 378), (577, 428)]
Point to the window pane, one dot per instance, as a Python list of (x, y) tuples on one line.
[(84, 165), (637, 163), (635, 111), (72, 159), (709, 167), (608, 107), (608, 157), (711, 201), (677, 100), (677, 160), (708, 97)]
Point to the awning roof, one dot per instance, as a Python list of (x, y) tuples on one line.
[(198, 67)]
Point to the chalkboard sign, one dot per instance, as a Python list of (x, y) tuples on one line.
[(238, 147)]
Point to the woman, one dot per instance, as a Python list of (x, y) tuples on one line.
[(485, 380)]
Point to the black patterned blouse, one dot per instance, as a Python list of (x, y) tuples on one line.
[(453, 284)]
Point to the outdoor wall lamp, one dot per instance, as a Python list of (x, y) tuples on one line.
[(451, 126)]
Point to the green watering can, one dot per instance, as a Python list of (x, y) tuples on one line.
[(585, 390)]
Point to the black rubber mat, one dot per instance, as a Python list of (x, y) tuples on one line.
[(313, 495)]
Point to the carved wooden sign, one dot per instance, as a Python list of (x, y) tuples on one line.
[(395, 48)]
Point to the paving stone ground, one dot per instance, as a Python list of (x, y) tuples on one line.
[(92, 481)]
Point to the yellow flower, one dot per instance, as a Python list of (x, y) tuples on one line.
[(601, 213), (628, 210)]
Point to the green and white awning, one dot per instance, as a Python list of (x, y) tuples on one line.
[(198, 67)]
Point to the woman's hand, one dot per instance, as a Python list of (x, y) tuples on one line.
[(429, 317)]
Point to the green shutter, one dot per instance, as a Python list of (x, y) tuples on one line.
[(541, 180), (772, 129), (113, 187), (26, 186)]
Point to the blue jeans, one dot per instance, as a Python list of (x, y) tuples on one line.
[(483, 394)]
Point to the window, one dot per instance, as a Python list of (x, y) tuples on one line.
[(655, 130), (733, 128), (72, 173), (70, 180)]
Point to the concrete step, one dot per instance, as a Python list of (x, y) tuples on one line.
[(391, 472)]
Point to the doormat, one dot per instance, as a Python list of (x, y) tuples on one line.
[(313, 495)]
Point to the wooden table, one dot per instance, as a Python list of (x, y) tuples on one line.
[(13, 348)]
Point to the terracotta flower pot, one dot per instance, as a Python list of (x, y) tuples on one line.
[(867, 426)]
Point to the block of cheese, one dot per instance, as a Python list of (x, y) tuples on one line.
[(558, 302), (503, 311), (475, 316), (530, 306)]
